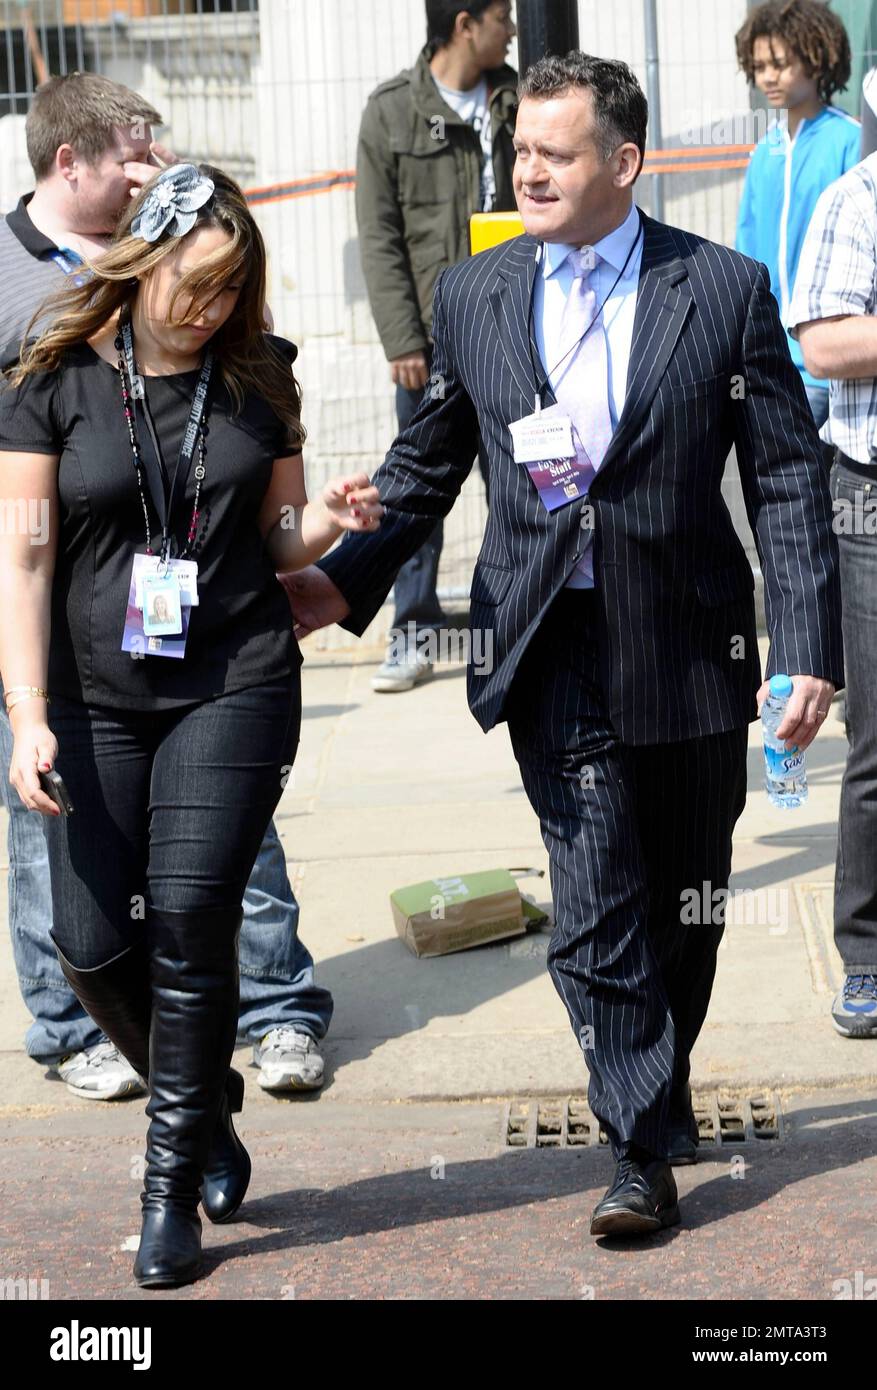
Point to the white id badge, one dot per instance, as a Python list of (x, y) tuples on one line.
[(547, 435), (143, 565), (186, 572), (161, 605)]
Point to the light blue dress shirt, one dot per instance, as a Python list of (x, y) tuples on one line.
[(550, 291)]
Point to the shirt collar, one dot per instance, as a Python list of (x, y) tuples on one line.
[(470, 92), (614, 249), (31, 238)]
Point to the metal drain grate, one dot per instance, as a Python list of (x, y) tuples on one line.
[(723, 1118)]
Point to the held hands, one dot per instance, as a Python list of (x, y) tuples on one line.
[(314, 599), (35, 748), (806, 711), (352, 503)]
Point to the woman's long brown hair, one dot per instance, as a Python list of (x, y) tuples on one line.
[(243, 353)]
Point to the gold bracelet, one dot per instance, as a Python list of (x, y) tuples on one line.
[(31, 689), (30, 692)]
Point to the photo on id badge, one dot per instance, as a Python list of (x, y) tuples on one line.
[(161, 606)]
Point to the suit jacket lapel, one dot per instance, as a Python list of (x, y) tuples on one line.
[(510, 301), (664, 299)]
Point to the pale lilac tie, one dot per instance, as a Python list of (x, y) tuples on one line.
[(583, 388)]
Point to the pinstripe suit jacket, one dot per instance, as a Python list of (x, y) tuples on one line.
[(709, 369)]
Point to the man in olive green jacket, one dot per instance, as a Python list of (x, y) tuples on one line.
[(435, 146)]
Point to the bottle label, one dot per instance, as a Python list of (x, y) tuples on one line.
[(784, 765)]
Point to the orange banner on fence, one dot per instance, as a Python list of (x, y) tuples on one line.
[(696, 168), (692, 151), (302, 188), (691, 159), (687, 159)]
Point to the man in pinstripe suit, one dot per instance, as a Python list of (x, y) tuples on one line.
[(623, 623)]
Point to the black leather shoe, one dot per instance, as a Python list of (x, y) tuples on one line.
[(683, 1135), (641, 1200), (118, 996), (193, 964)]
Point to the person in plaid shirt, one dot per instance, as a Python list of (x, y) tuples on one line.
[(833, 314)]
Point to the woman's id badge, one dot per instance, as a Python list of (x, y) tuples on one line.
[(160, 601)]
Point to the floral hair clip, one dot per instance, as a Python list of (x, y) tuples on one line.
[(172, 202)]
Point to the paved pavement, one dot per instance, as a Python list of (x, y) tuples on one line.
[(396, 1181), (423, 1201)]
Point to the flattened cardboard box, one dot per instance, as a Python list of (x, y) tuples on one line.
[(453, 914)]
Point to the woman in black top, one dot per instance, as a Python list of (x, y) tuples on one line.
[(159, 425)]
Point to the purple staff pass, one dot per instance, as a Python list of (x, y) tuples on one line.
[(560, 481)]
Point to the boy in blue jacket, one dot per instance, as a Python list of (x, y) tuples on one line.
[(798, 54)]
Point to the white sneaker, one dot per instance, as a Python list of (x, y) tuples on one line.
[(288, 1061), (397, 674), (99, 1073)]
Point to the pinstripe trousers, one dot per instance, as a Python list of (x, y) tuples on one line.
[(628, 829)]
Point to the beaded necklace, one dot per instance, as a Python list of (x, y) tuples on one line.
[(197, 421)]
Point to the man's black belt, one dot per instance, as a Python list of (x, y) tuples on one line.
[(868, 471)]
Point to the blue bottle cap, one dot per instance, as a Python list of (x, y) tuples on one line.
[(780, 687)]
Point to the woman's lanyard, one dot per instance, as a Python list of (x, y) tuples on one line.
[(574, 347), (156, 474)]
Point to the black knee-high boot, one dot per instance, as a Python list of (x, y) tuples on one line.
[(118, 996), (193, 961)]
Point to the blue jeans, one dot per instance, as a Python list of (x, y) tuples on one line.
[(817, 397), (414, 592), (277, 971), (415, 595)]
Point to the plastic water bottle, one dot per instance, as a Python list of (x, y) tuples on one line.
[(785, 776)]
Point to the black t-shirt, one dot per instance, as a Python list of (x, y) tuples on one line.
[(240, 634)]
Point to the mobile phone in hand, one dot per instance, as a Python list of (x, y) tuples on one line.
[(52, 783)]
